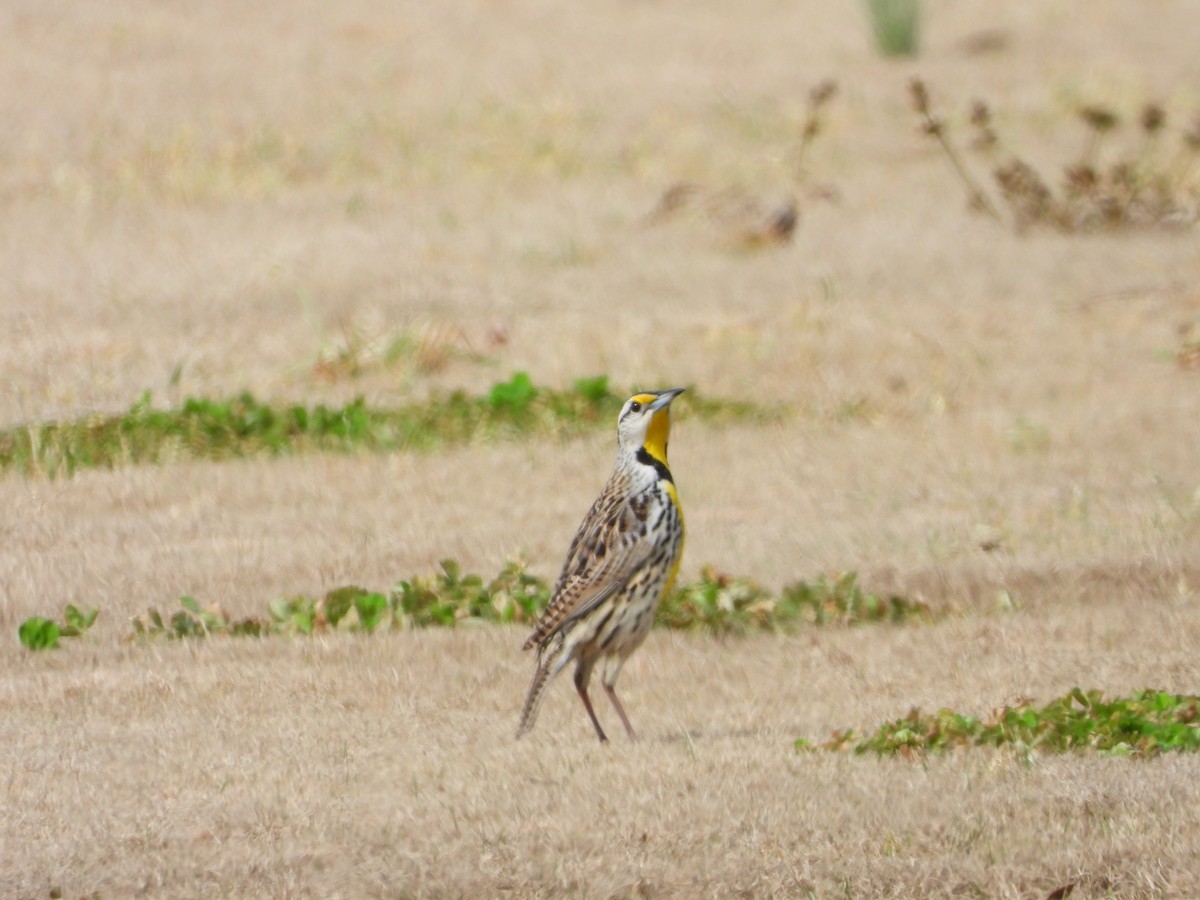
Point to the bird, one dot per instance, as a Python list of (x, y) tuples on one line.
[(622, 562)]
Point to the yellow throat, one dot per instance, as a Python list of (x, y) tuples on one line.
[(655, 444), (658, 433)]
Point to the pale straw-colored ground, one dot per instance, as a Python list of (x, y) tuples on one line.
[(228, 193)]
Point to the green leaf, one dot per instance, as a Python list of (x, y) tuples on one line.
[(73, 617), (280, 610), (371, 608), (514, 395), (75, 621), (248, 628), (451, 571), (339, 602), (299, 613), (183, 626), (594, 390), (37, 633), (304, 619)]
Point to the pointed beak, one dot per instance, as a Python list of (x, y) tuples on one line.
[(664, 398)]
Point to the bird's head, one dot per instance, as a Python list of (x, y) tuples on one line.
[(645, 423)]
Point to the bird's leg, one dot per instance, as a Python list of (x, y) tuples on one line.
[(582, 674), (612, 695)]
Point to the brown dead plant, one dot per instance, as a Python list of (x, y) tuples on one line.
[(1138, 185), (747, 219)]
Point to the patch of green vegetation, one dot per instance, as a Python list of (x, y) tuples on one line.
[(37, 633), (717, 604), (516, 395), (446, 599), (450, 598), (722, 604), (193, 622), (1143, 724), (244, 426)]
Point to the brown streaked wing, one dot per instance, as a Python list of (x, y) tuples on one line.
[(587, 577)]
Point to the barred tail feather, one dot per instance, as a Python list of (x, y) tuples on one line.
[(533, 700), (548, 667)]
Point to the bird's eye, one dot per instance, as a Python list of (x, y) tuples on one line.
[(635, 406)]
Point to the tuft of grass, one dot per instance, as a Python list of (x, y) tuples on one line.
[(1140, 186), (896, 25), (37, 633), (244, 426), (1143, 724), (717, 604)]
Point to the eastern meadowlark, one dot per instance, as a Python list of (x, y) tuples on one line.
[(623, 560)]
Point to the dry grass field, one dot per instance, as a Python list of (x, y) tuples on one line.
[(197, 199)]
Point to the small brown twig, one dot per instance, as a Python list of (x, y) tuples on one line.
[(935, 127), (818, 97)]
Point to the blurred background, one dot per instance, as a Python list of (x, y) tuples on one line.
[(971, 299)]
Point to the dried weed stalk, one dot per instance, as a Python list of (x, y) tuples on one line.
[(936, 128), (748, 220), (1140, 188), (818, 99)]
